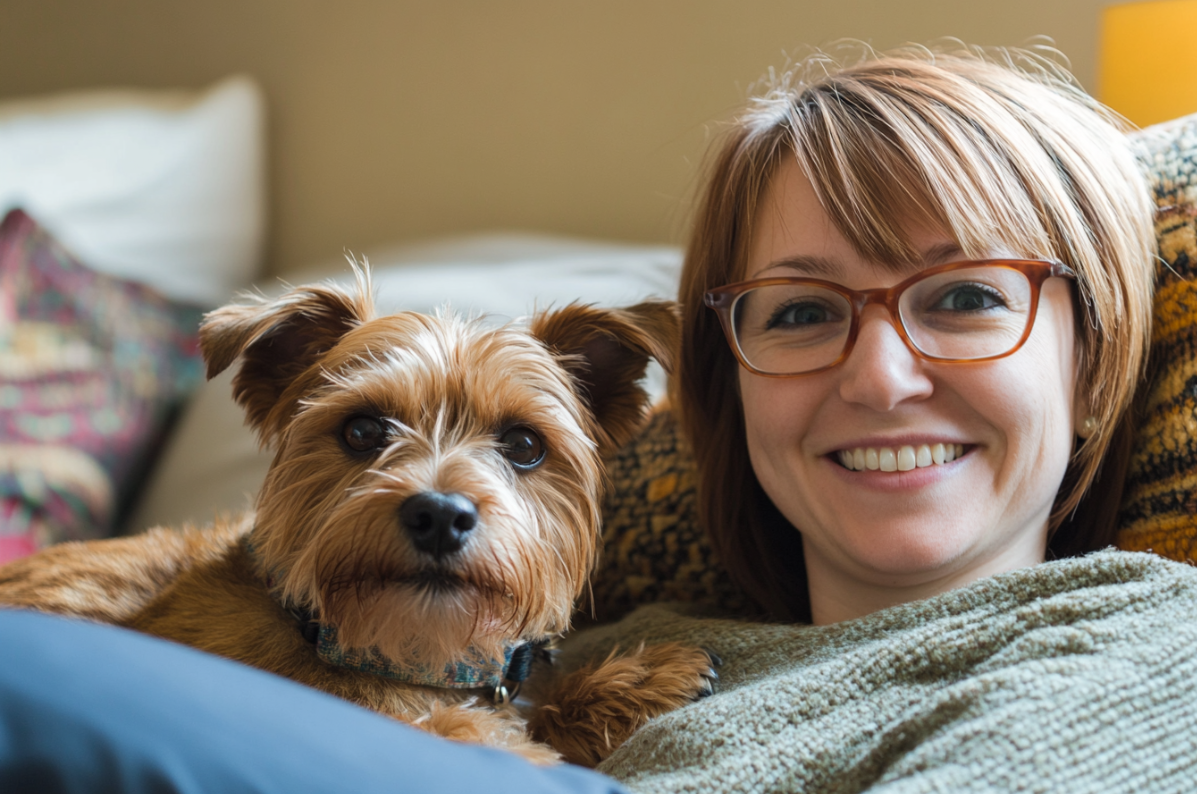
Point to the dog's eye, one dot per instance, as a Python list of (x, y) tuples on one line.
[(522, 447), (364, 434)]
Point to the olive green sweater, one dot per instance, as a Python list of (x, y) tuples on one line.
[(1077, 675)]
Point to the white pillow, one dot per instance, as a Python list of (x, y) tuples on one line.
[(211, 464), (508, 275), (166, 188)]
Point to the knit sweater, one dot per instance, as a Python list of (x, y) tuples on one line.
[(1077, 675)]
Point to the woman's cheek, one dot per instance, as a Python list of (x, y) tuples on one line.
[(776, 413)]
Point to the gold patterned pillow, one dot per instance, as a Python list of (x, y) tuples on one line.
[(654, 550), (1159, 508)]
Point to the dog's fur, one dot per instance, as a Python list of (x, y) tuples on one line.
[(327, 536)]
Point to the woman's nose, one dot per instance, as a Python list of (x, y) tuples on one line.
[(881, 372)]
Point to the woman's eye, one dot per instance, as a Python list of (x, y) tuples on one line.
[(968, 298), (522, 447), (799, 314), (364, 434)]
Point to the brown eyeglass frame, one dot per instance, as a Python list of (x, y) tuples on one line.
[(723, 299)]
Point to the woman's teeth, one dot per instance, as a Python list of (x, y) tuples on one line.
[(903, 458)]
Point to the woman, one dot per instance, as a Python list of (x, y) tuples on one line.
[(917, 303), (866, 177)]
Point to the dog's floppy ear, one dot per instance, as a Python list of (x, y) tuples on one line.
[(277, 340), (607, 352)]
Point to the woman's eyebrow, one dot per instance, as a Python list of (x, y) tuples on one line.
[(811, 265), (806, 265), (941, 253)]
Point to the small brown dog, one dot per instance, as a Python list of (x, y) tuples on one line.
[(430, 516)]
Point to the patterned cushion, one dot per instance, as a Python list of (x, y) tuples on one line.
[(1159, 511), (90, 369), (654, 550)]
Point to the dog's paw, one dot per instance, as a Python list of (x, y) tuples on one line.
[(711, 676), (594, 710), (477, 724)]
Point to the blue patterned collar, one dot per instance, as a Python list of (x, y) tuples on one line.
[(500, 677)]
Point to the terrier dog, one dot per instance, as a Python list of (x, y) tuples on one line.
[(430, 516)]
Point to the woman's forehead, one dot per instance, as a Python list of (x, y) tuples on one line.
[(794, 234)]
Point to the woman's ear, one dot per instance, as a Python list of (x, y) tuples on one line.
[(1084, 422), (1084, 414)]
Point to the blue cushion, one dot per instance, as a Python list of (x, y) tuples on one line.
[(91, 708)]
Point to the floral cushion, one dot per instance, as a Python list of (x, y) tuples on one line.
[(654, 550), (91, 368)]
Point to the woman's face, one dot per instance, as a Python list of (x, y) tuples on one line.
[(889, 537)]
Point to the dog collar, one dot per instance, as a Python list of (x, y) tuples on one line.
[(501, 677)]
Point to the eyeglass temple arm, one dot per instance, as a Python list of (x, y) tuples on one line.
[(1063, 271)]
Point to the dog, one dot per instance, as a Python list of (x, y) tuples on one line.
[(428, 521)]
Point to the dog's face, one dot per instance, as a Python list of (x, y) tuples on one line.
[(436, 482)]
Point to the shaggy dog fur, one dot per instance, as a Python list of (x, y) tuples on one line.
[(370, 419)]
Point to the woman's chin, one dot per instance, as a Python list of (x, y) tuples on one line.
[(909, 559)]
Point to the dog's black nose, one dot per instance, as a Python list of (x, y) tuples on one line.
[(436, 522)]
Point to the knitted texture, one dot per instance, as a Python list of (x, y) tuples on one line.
[(654, 550), (1160, 499), (1077, 675)]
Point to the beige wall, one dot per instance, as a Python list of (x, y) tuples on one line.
[(396, 120)]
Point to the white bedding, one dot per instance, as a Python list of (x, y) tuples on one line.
[(162, 187)]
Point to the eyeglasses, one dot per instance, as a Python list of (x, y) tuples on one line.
[(958, 312)]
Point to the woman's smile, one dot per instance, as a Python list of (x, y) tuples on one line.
[(901, 457), (897, 469)]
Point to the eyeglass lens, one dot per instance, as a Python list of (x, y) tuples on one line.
[(963, 314)]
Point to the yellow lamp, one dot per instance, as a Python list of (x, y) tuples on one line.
[(1148, 59)]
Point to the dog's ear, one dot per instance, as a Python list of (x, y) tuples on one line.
[(277, 340), (607, 351)]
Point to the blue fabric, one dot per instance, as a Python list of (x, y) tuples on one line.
[(90, 708)]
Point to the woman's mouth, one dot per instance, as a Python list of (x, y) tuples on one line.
[(904, 458)]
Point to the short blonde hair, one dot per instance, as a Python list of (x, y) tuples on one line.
[(999, 148)]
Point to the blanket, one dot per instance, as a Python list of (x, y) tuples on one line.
[(1075, 675)]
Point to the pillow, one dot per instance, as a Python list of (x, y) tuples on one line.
[(1159, 507), (91, 367), (212, 464), (653, 548), (163, 188), (654, 551)]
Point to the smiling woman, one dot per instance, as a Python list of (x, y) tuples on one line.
[(933, 274), (917, 304), (894, 533)]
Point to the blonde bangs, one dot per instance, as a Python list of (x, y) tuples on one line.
[(887, 148)]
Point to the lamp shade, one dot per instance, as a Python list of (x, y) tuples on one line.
[(1148, 61)]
